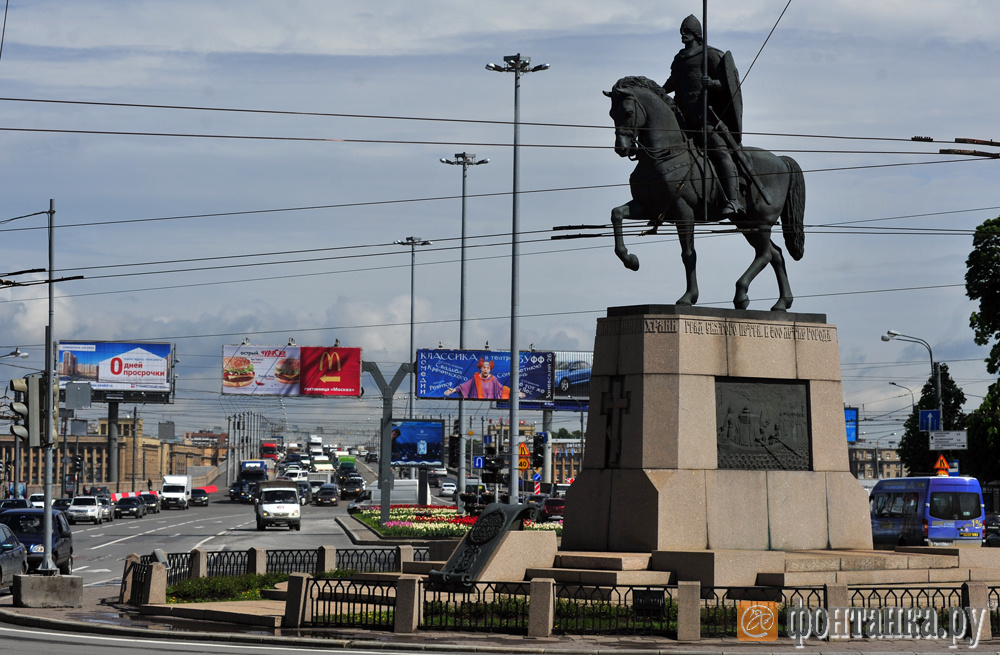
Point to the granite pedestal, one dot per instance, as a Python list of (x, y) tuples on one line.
[(676, 461)]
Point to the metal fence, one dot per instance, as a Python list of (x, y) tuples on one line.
[(487, 607), (627, 609), (292, 561), (346, 603), (877, 596), (993, 596), (367, 560), (227, 563), (719, 606), (178, 566)]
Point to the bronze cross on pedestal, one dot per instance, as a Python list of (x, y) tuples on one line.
[(613, 405)]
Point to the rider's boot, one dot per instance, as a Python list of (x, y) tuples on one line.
[(730, 181)]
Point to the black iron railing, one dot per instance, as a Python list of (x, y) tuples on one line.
[(292, 561), (626, 609), (487, 607), (720, 606), (349, 603)]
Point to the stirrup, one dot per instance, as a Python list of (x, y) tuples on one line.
[(732, 208)]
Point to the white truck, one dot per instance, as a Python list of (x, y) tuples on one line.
[(277, 503), (176, 491)]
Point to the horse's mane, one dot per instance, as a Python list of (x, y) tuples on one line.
[(632, 81)]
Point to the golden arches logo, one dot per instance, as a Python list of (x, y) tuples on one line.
[(330, 361)]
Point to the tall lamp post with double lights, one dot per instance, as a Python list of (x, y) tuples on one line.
[(463, 159), (935, 367), (519, 66), (412, 242)]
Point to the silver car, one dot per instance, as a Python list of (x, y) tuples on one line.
[(107, 509), (85, 508)]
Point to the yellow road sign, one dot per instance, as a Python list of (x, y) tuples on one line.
[(522, 450), (522, 463)]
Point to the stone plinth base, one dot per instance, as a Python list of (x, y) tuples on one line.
[(715, 429), (48, 591), (651, 510), (518, 551)]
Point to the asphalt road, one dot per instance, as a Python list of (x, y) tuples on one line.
[(100, 550)]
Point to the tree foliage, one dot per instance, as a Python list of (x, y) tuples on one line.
[(983, 425), (914, 447), (982, 283)]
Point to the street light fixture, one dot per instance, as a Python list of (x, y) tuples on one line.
[(519, 66), (463, 159), (17, 352), (935, 367), (412, 242), (913, 402)]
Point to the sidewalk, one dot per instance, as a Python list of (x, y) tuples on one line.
[(247, 622)]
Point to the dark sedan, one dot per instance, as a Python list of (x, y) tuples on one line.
[(199, 497), (13, 557), (351, 487), (28, 525), (328, 494), (130, 506), (152, 503)]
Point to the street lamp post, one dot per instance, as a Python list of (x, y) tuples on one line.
[(412, 242), (519, 66), (464, 160), (935, 367)]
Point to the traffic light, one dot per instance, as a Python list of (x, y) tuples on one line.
[(456, 428), (453, 451), (78, 464), (27, 409), (538, 451)]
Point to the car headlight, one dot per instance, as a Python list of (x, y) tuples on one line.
[(265, 512), (37, 548)]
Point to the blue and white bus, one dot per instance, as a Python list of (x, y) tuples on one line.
[(927, 511)]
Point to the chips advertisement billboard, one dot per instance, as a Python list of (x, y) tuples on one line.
[(482, 374), (417, 443), (118, 370), (291, 370)]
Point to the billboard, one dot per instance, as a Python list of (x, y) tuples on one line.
[(118, 371), (291, 370), (851, 422), (572, 375), (417, 443), (482, 374)]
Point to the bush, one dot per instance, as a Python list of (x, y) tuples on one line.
[(208, 590)]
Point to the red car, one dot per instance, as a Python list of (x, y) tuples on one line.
[(552, 510)]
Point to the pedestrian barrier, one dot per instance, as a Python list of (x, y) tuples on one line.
[(627, 609), (486, 607)]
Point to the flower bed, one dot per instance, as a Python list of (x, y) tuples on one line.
[(430, 521)]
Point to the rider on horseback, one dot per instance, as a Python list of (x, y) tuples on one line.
[(724, 100)]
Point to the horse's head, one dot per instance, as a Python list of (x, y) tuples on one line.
[(644, 116), (628, 118)]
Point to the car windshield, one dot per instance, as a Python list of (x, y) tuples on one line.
[(278, 496), (173, 488), (24, 523), (84, 501)]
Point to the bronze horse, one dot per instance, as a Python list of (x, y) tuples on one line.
[(667, 186)]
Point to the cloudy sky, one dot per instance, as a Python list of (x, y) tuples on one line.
[(226, 170)]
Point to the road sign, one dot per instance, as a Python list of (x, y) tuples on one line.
[(522, 450), (478, 462), (942, 466), (957, 440), (523, 463), (536, 477), (930, 420)]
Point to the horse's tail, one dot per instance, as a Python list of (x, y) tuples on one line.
[(793, 213)]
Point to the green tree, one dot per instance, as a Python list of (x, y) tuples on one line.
[(982, 283), (983, 425), (914, 447)]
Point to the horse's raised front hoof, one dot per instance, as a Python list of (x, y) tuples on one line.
[(631, 262)]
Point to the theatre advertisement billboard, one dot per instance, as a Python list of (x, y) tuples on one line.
[(118, 371), (482, 374), (291, 370)]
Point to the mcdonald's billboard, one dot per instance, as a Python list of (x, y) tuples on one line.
[(291, 371)]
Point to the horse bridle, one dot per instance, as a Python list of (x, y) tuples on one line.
[(633, 128)]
